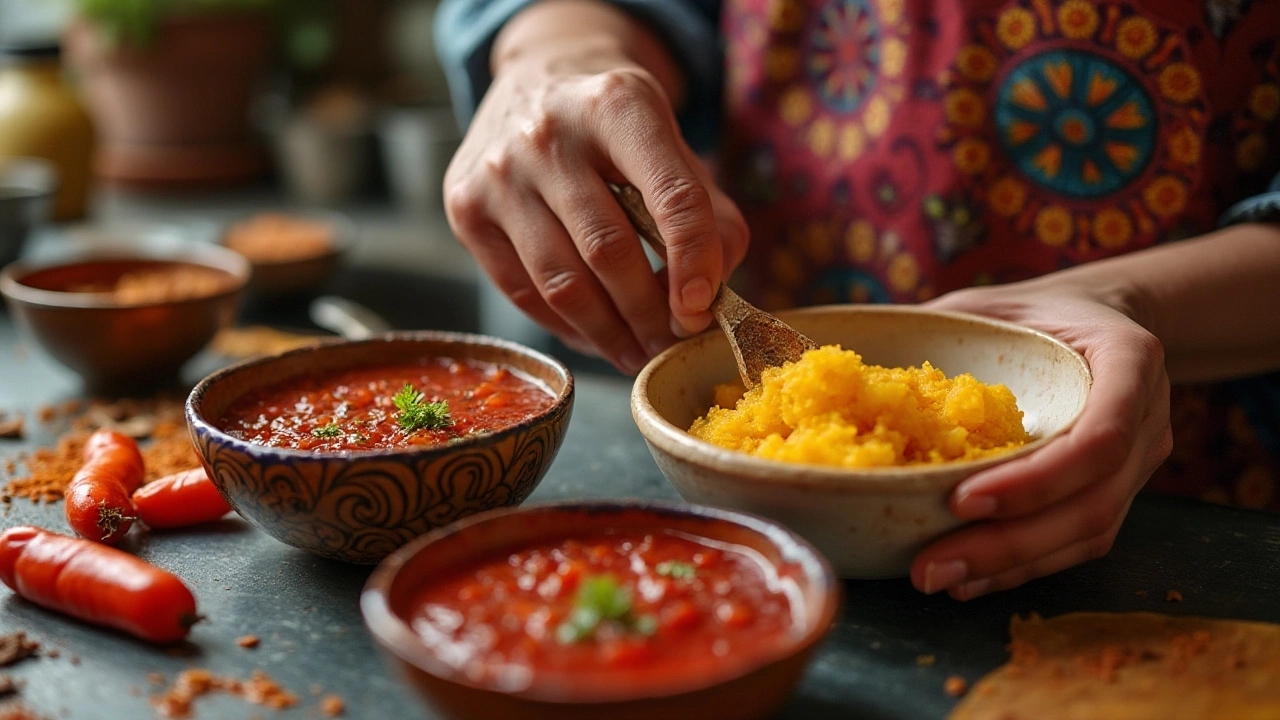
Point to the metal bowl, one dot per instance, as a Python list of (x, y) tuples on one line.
[(27, 187), (119, 347)]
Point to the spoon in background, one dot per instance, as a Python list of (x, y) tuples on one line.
[(350, 320), (759, 340)]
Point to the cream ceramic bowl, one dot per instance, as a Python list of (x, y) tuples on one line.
[(872, 522)]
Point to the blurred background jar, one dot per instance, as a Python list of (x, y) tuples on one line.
[(41, 117)]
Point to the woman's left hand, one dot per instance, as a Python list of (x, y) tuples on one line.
[(1063, 504)]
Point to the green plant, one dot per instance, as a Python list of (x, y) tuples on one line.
[(304, 24)]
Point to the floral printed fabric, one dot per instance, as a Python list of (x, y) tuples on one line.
[(894, 150)]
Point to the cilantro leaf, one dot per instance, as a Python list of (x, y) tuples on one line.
[(598, 600)]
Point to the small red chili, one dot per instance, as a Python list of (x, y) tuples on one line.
[(179, 500), (98, 505)]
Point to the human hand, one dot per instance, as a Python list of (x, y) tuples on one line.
[(1063, 504), (526, 194)]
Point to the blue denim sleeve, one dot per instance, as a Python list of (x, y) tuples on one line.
[(1259, 397), (1259, 208), (465, 29)]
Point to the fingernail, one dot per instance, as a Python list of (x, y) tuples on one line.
[(678, 330), (944, 574), (697, 295), (655, 346), (971, 590), (973, 507), (633, 362)]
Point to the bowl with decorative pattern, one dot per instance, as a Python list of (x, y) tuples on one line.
[(360, 505)]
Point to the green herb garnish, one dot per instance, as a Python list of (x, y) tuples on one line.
[(601, 599), (418, 414), (328, 431), (676, 569)]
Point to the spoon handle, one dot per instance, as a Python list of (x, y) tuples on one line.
[(632, 203)]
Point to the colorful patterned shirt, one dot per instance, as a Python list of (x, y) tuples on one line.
[(894, 150)]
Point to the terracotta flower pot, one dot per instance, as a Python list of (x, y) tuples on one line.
[(175, 112)]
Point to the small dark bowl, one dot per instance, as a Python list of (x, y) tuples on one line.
[(743, 690), (299, 276), (360, 506), (119, 347), (27, 188)]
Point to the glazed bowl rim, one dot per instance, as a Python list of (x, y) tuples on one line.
[(677, 442), (345, 237), (166, 248), (395, 635), (197, 421)]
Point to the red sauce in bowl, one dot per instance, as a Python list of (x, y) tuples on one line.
[(649, 610), (356, 409)]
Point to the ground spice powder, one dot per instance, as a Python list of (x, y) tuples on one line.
[(158, 424), (259, 689)]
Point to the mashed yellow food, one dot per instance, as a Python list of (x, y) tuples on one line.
[(830, 408)]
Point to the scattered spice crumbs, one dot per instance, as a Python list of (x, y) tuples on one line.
[(332, 705), (955, 686), (8, 686), (926, 660), (259, 689), (248, 641), (11, 427), (155, 678), (1173, 596), (17, 712), (16, 647), (50, 469), (1139, 592), (47, 413)]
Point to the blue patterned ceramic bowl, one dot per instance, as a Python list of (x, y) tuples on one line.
[(360, 506)]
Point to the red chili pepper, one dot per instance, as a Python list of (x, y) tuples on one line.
[(97, 584), (179, 500), (98, 505)]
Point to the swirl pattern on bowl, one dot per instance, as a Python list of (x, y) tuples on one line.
[(360, 506)]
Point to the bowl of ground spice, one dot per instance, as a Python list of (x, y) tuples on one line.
[(290, 253), (126, 314)]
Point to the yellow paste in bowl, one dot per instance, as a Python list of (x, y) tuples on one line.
[(830, 408)]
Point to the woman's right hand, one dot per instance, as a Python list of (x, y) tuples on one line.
[(526, 194)]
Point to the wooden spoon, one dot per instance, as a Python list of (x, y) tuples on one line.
[(759, 340)]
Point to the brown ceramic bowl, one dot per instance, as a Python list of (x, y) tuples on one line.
[(742, 690), (295, 276), (360, 506), (115, 346)]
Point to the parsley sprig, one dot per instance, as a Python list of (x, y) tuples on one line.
[(328, 432), (677, 570), (598, 600), (418, 414)]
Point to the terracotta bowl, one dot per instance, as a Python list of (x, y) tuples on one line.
[(119, 347), (742, 690), (871, 522), (274, 279), (360, 506)]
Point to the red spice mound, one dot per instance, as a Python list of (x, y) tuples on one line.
[(955, 686)]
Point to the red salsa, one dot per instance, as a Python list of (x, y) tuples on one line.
[(391, 406), (647, 610)]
